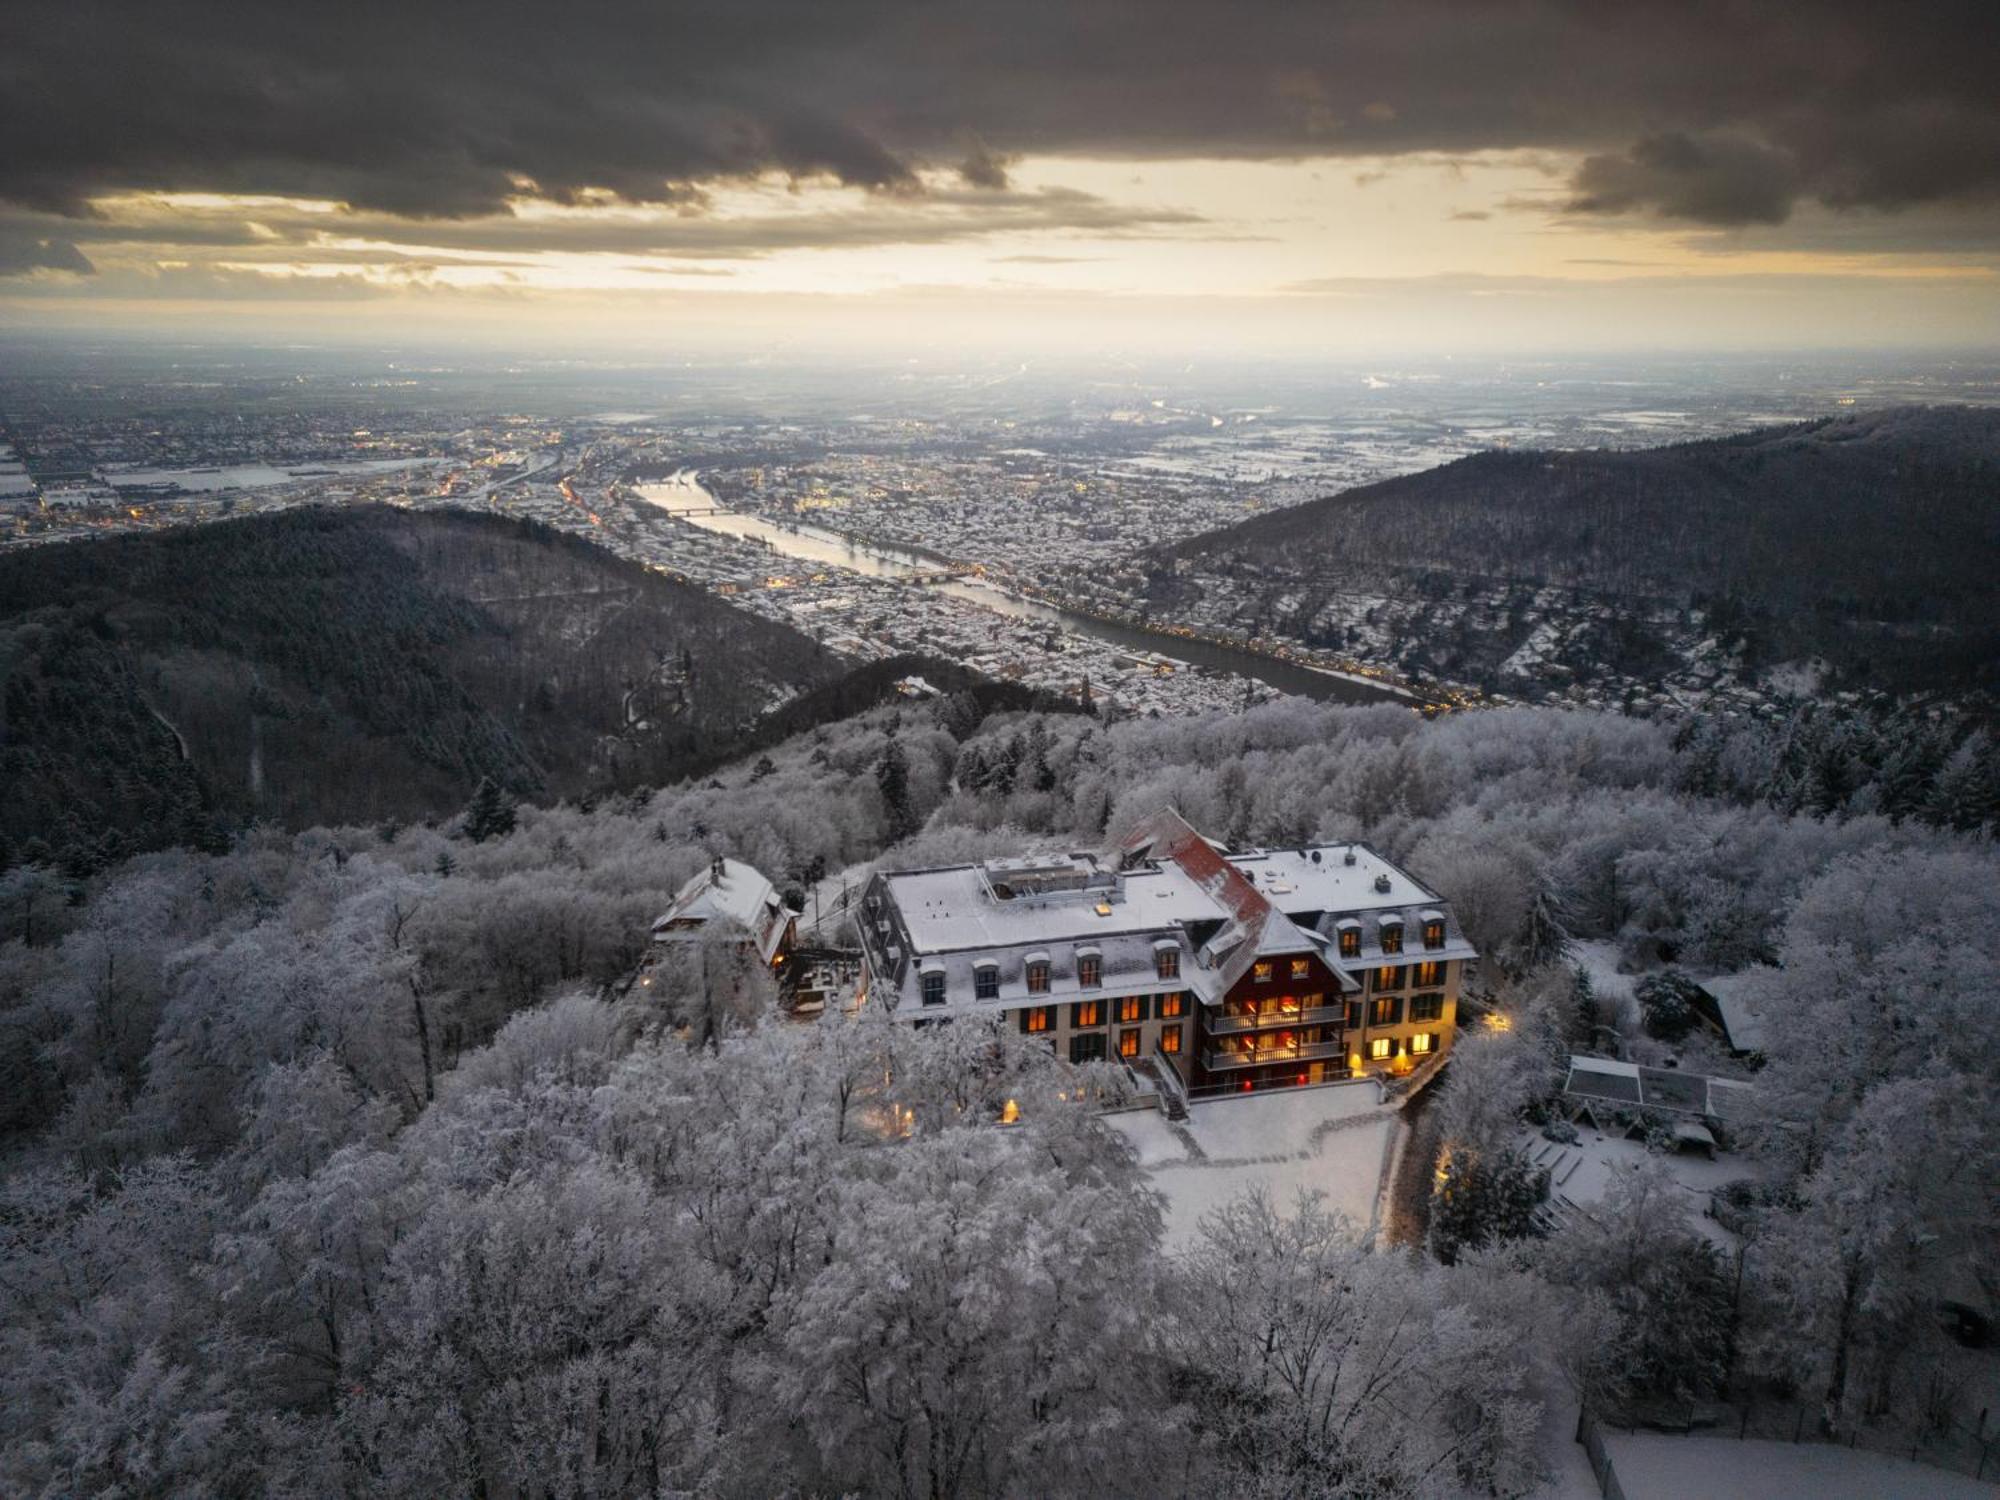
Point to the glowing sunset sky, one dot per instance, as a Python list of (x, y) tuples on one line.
[(1365, 177)]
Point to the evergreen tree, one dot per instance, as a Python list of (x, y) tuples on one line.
[(489, 814), (892, 776)]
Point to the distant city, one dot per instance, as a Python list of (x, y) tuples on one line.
[(1004, 520)]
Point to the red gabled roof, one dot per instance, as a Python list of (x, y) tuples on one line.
[(1166, 835), (1258, 927)]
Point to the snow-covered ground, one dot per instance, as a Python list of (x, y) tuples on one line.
[(1581, 1173), (1599, 959), (1333, 1141), (1655, 1467)]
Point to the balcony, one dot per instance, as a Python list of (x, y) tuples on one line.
[(1217, 1062), (1314, 1015)]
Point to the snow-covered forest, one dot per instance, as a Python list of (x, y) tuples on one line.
[(345, 1162)]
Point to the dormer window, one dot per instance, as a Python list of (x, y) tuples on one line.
[(986, 982), (1038, 976), (1089, 970), (932, 983), (1167, 961), (1350, 940), (1392, 936), (1433, 929)]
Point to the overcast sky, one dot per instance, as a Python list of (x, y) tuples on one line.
[(1507, 174)]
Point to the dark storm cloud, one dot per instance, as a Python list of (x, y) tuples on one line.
[(22, 253), (1712, 111), (1723, 180)]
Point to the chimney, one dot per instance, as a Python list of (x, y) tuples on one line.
[(1382, 884)]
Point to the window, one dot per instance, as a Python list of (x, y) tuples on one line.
[(1260, 971), (1089, 970), (1350, 942), (1087, 1048), (1037, 1019), (1426, 1007), (1167, 962), (1392, 937), (1434, 934), (1170, 1040), (1430, 974), (1038, 977), (1086, 1013), (986, 982), (1171, 1005), (1302, 968), (1386, 1011), (1129, 1009), (1388, 977), (933, 986), (1382, 1049), (1423, 1042), (1353, 1019), (1128, 1043)]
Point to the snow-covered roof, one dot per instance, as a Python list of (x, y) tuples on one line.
[(1744, 1026), (1318, 878), (1605, 1080), (1164, 887), (728, 890)]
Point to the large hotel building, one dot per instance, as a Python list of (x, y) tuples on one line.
[(1238, 971)]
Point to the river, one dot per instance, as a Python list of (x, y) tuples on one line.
[(683, 495)]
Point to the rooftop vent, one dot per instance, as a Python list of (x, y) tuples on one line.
[(1315, 856), (1347, 858), (1382, 884)]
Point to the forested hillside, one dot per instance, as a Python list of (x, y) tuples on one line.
[(1872, 541), (343, 1162), (339, 665)]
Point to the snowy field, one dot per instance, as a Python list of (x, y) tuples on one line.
[(1655, 1467), (1332, 1140)]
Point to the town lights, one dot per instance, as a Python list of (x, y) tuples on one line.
[(1010, 1112), (1495, 1021)]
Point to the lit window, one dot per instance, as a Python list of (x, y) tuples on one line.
[(1392, 937), (1382, 1049), (1350, 942), (1170, 1005), (933, 984), (1089, 970), (1038, 1018), (1130, 1009), (1423, 1041), (1170, 1039), (1089, 1048), (1038, 977), (986, 982), (1386, 1011), (1388, 977), (1433, 934), (1260, 971), (1128, 1043), (1302, 968), (1167, 963), (1086, 1013)]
